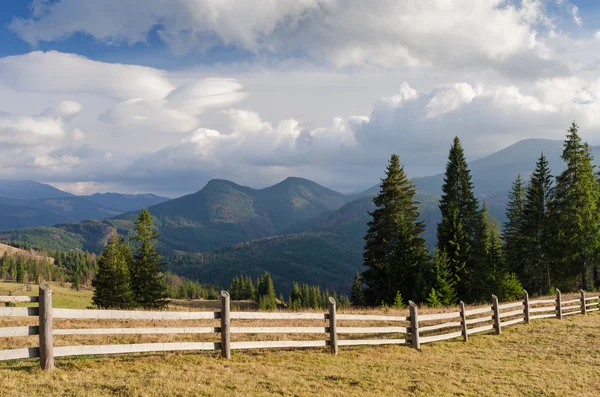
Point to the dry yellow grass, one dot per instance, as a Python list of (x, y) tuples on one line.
[(545, 358)]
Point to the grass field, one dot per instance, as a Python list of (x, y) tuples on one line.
[(545, 358), (63, 297)]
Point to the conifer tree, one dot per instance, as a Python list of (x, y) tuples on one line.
[(146, 278), (112, 288), (514, 249), (443, 283), (394, 250), (20, 270), (433, 299), (537, 230), (575, 214), (267, 299), (357, 297), (460, 217)]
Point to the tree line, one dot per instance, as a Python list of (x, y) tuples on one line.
[(262, 291), (551, 238), (129, 273)]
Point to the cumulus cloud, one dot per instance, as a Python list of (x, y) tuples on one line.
[(343, 33)]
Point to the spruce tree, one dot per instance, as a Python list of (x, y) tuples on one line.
[(460, 218), (146, 278), (537, 230), (20, 278), (443, 283), (357, 297), (394, 250), (514, 250), (267, 299), (575, 213), (112, 283)]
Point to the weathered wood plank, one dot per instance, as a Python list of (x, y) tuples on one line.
[(278, 344), (132, 315), (279, 330), (497, 325), (351, 342), (19, 311), (120, 331), (414, 325), (512, 322), (526, 307), (481, 310), (463, 322), (45, 321), (510, 314), (370, 317), (480, 329), (19, 331), (440, 326), (558, 305), (372, 330), (591, 298), (572, 307), (592, 304), (278, 316), (439, 316), (543, 316), (571, 313), (510, 305), (593, 310), (479, 320), (332, 326), (436, 338), (225, 325), (542, 301), (16, 354), (19, 299), (133, 348), (542, 309), (570, 301)]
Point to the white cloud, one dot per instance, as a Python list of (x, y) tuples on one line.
[(449, 99), (597, 35), (56, 72), (575, 14), (344, 33)]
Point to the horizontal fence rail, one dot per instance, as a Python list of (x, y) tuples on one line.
[(415, 329)]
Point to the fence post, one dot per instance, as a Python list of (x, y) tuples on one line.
[(463, 320), (414, 325), (583, 308), (225, 325), (558, 305), (46, 340), (332, 327), (497, 325), (526, 307)]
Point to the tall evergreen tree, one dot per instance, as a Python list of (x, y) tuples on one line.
[(357, 298), (443, 283), (394, 249), (514, 250), (146, 278), (460, 218), (265, 293), (537, 230), (112, 288), (575, 213)]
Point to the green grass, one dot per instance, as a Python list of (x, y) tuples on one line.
[(62, 297)]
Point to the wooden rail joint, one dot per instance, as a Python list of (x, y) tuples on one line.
[(414, 325), (45, 331)]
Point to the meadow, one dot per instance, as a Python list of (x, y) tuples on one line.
[(544, 358)]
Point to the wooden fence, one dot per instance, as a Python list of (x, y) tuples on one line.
[(416, 329)]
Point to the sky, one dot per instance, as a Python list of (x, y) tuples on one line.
[(162, 96)]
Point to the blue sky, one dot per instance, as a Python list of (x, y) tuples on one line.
[(107, 95)]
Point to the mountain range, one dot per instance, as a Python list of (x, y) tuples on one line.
[(29, 204), (297, 229)]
